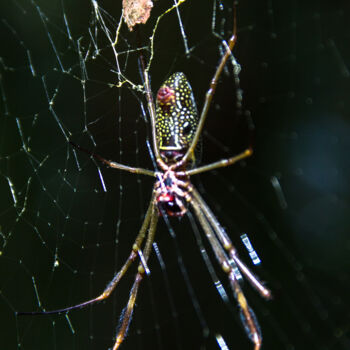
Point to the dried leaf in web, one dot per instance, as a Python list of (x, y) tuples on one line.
[(136, 12)]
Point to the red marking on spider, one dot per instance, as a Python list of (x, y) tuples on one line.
[(166, 96), (166, 197), (170, 205)]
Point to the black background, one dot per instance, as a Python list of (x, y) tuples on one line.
[(295, 81)]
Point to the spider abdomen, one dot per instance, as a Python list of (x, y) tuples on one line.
[(176, 118)]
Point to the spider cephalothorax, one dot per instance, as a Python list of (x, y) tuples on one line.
[(171, 193)]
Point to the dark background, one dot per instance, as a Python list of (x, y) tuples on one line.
[(63, 237)]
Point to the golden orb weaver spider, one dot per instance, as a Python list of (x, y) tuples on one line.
[(176, 130)]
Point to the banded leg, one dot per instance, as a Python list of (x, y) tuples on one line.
[(127, 312), (219, 164), (228, 246), (249, 320), (211, 92), (116, 279), (115, 165)]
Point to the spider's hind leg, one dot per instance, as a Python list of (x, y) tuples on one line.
[(127, 312), (228, 259), (248, 318)]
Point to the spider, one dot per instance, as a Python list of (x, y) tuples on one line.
[(176, 129)]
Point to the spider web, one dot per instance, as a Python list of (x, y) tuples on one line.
[(67, 223)]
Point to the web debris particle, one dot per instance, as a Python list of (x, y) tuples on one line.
[(136, 12), (252, 253)]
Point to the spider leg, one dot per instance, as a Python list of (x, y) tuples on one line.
[(127, 312), (228, 246), (152, 111), (115, 165), (114, 282), (210, 93), (219, 164), (248, 317)]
